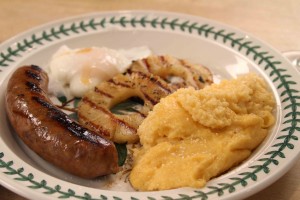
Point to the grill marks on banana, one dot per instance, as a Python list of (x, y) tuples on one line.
[(97, 90), (119, 83), (154, 79), (106, 112), (166, 66), (146, 79), (94, 109)]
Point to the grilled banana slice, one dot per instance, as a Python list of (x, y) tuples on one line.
[(94, 110), (149, 79), (177, 72)]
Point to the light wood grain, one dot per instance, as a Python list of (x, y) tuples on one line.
[(276, 22)]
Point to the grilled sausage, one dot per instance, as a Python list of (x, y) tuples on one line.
[(50, 132)]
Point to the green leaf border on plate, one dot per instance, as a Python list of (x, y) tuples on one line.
[(289, 94)]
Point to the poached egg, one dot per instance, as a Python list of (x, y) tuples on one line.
[(72, 72)]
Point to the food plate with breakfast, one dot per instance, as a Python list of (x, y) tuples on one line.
[(144, 105)]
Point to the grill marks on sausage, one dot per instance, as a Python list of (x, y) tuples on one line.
[(50, 132), (33, 87), (33, 75), (54, 113), (107, 112), (66, 122), (35, 67)]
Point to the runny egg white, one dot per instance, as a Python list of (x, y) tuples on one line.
[(72, 72)]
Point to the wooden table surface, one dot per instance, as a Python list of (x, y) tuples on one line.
[(275, 21)]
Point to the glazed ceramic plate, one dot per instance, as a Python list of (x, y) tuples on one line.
[(228, 52)]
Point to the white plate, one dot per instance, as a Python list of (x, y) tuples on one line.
[(228, 52)]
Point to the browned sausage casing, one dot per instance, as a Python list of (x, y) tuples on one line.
[(50, 132)]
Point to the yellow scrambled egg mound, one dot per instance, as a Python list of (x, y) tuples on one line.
[(192, 135)]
